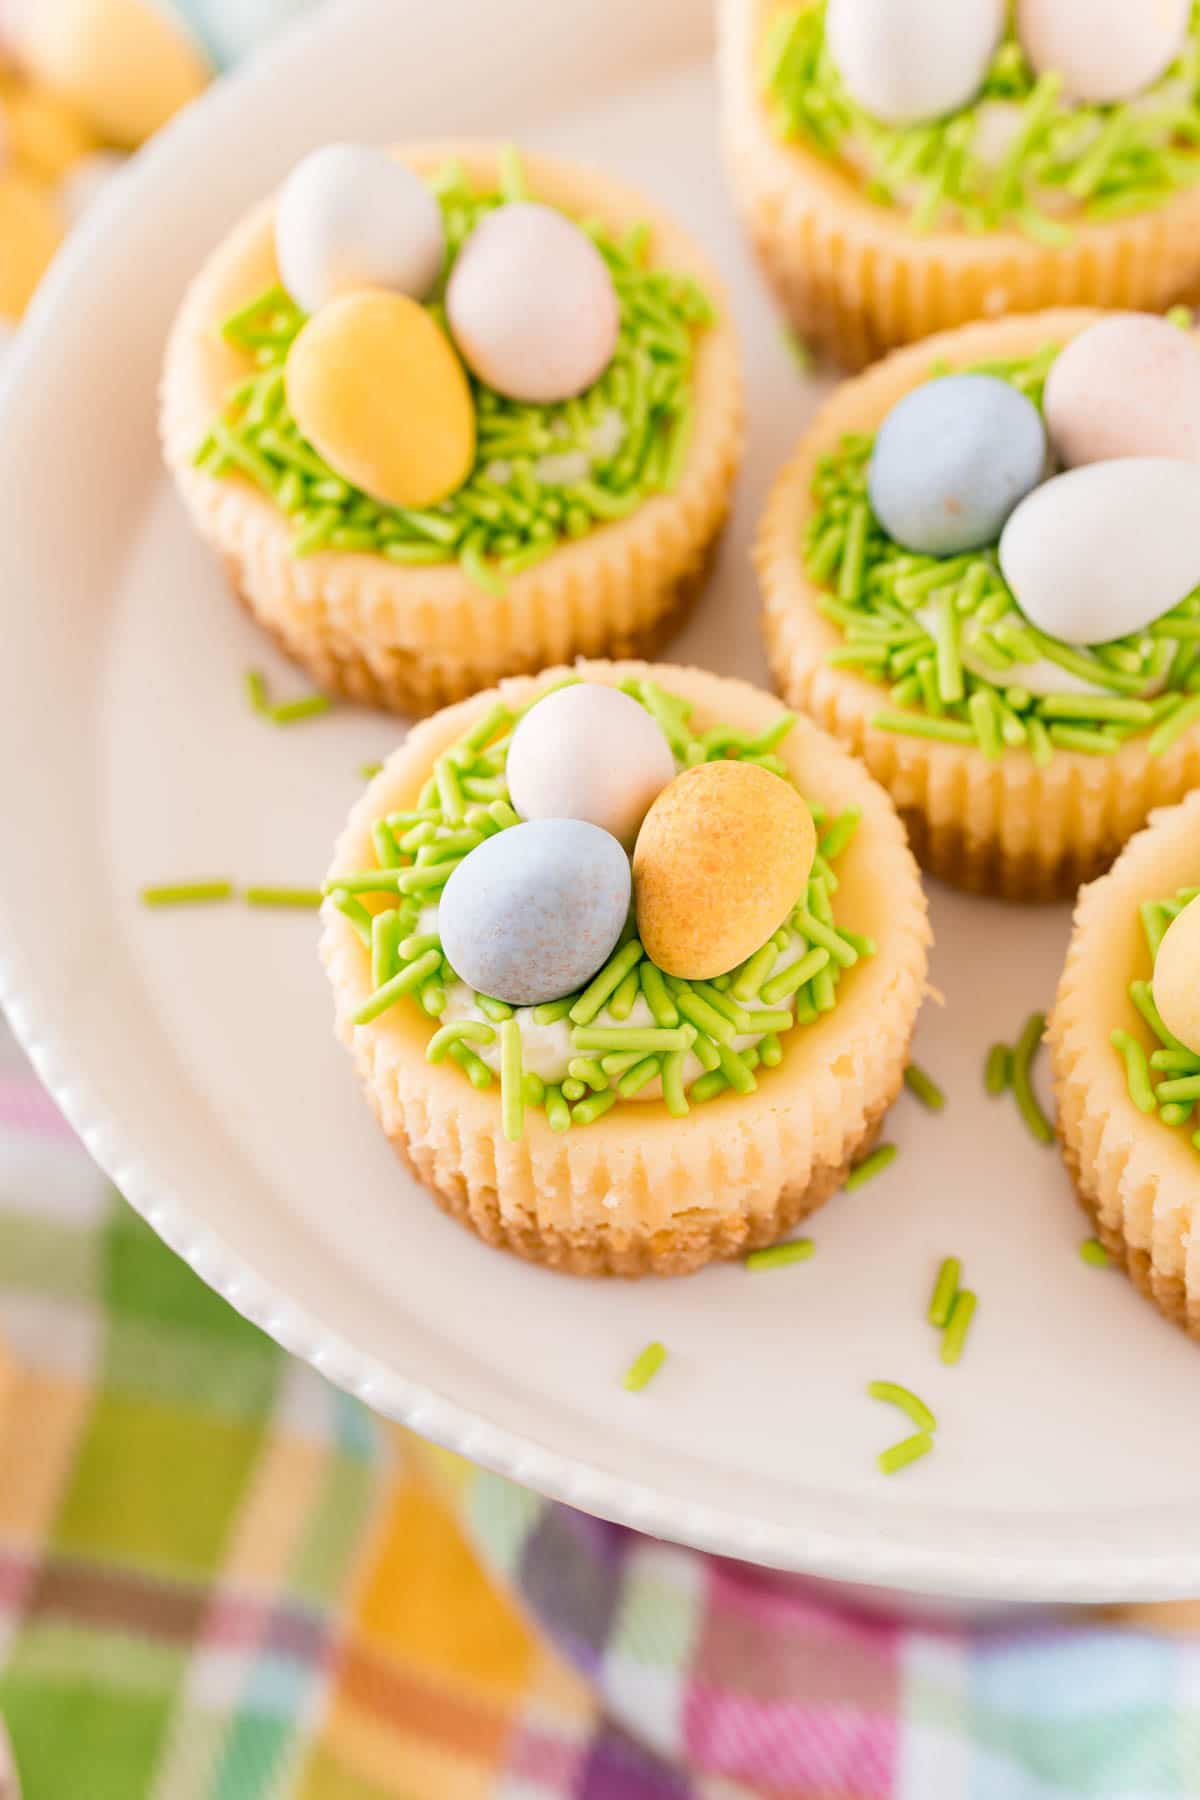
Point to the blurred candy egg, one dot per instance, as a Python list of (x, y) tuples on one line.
[(374, 384), (1104, 50), (1176, 984), (44, 133), (724, 854), (350, 216), (906, 60), (1105, 550), (30, 232), (127, 65), (952, 459), (1127, 386), (532, 305), (534, 911), (589, 752)]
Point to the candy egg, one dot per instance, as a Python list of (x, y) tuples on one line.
[(1176, 984), (906, 60), (723, 856), (1105, 550), (127, 66), (374, 384), (1127, 386), (534, 911), (1104, 50), (589, 752), (952, 459), (532, 305), (350, 216), (30, 232)]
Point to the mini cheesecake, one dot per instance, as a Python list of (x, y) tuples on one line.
[(459, 610), (860, 272), (720, 1155), (999, 820), (1132, 1153)]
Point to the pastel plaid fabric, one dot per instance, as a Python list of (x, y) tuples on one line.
[(222, 1580)]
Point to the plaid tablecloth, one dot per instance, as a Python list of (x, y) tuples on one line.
[(222, 1580)]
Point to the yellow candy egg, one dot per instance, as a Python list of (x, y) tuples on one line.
[(1177, 977), (374, 384), (127, 66), (723, 856), (44, 133), (30, 231)]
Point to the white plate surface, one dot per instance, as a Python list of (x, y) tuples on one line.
[(193, 1050)]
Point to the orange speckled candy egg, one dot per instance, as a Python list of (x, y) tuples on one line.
[(723, 856), (374, 384)]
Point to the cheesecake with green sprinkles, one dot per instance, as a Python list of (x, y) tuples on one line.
[(1124, 1037), (981, 571), (907, 167), (628, 959), (454, 412)]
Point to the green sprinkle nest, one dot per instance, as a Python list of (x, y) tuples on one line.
[(1167, 1082), (1060, 161), (542, 474), (691, 1047), (875, 593)]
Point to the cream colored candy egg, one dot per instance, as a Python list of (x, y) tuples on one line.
[(1127, 386), (589, 752), (532, 305), (1105, 550), (1176, 982), (1104, 50), (908, 60), (350, 216), (723, 856), (374, 384)]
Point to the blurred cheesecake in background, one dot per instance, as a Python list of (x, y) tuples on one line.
[(83, 83)]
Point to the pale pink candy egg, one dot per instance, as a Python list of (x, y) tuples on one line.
[(1105, 50), (532, 306), (1127, 386)]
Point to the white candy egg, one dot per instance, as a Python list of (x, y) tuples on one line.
[(350, 216), (532, 306), (1105, 550), (906, 60), (1105, 50), (1127, 386), (589, 752)]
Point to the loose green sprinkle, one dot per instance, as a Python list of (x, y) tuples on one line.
[(955, 1335), (369, 770), (290, 712), (187, 893), (870, 1166), (542, 474), (1024, 1051), (892, 1394), (256, 691), (302, 898), (1093, 1253), (644, 1368), (924, 1087), (997, 1072), (945, 1289), (910, 1450), (781, 1256)]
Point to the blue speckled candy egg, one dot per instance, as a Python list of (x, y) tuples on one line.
[(534, 911), (951, 461)]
